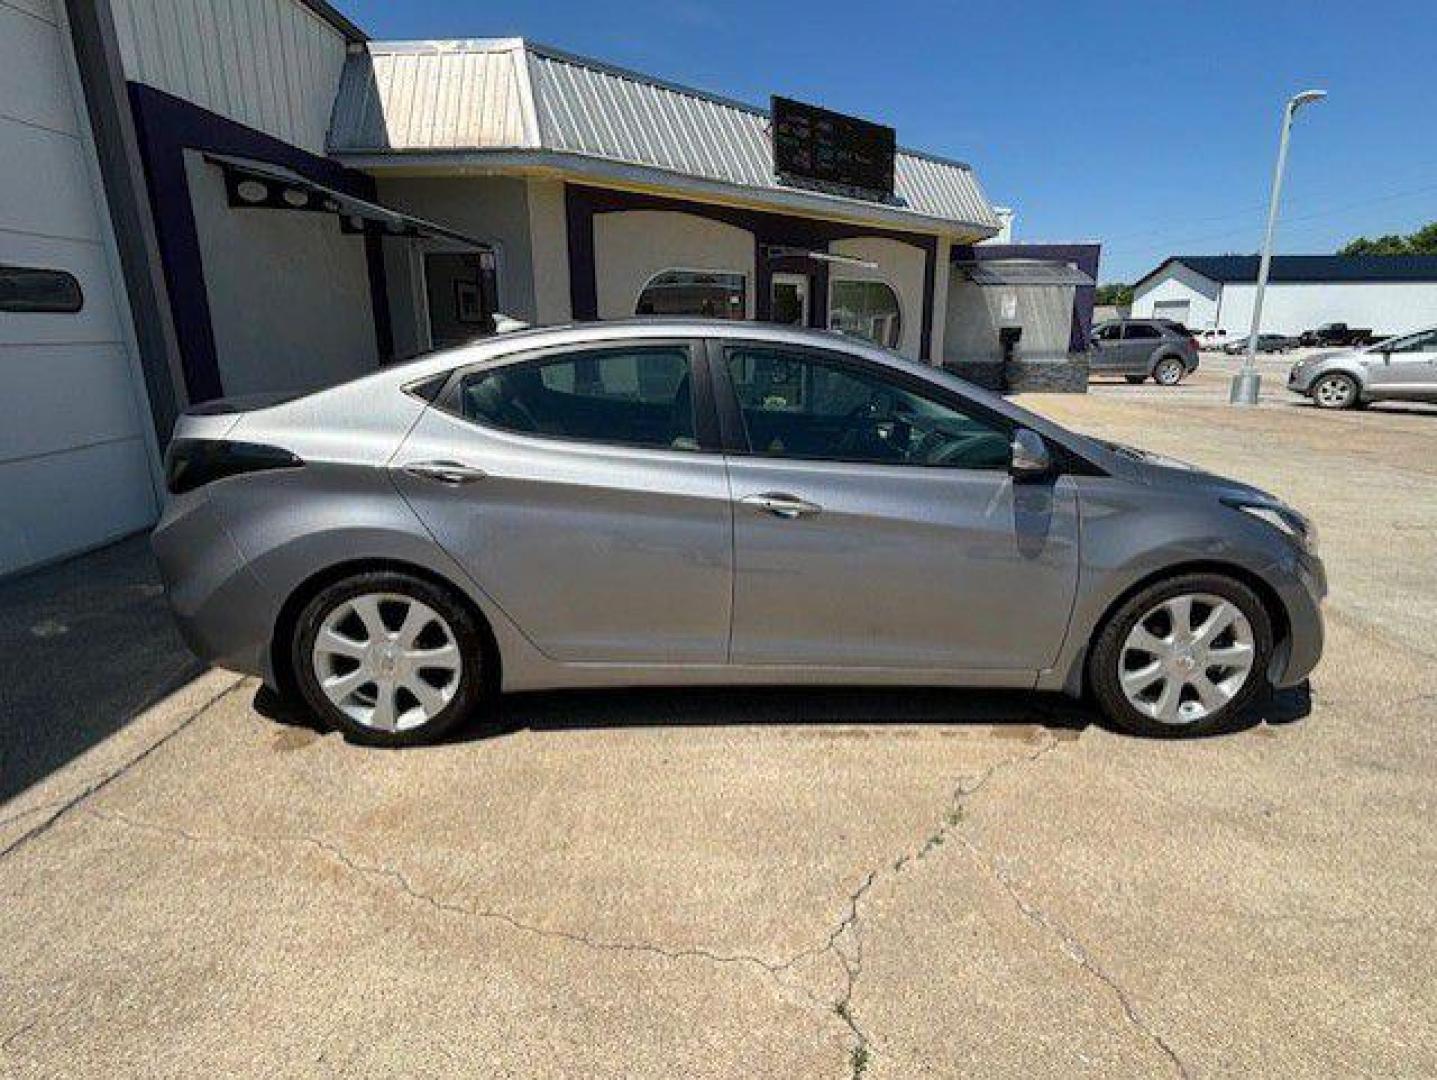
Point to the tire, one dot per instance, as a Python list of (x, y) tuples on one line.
[(390, 637), (1135, 379), (1237, 672), (1335, 391), (1168, 371)]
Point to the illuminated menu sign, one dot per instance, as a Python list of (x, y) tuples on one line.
[(815, 147)]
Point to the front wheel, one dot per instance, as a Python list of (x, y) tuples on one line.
[(1169, 372), (388, 658), (1335, 391), (1181, 657)]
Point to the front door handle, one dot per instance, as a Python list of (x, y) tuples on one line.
[(781, 505), (452, 473)]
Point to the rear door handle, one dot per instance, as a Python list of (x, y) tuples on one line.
[(780, 504), (452, 473)]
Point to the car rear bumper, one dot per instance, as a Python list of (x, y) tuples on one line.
[(219, 606)]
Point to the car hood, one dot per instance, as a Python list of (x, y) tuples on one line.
[(1161, 471)]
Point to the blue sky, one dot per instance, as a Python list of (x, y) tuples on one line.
[(1151, 127)]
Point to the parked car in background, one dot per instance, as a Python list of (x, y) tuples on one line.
[(1138, 349), (1337, 333), (1213, 340), (699, 503), (1398, 369), (1266, 343)]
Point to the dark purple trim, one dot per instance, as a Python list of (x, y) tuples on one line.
[(1084, 256), (166, 127), (582, 203)]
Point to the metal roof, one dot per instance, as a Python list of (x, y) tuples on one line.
[(487, 96), (1242, 269)]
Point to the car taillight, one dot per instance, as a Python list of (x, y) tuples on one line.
[(193, 463)]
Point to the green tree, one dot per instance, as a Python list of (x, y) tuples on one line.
[(1421, 242), (1116, 294)]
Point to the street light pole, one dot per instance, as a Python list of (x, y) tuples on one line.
[(1247, 383)]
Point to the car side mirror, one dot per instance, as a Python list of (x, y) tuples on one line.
[(1031, 459)]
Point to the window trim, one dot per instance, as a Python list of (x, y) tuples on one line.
[(742, 275), (706, 423), (735, 430), (1066, 461), (835, 279), (69, 279)]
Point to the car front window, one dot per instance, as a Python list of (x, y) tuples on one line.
[(798, 405)]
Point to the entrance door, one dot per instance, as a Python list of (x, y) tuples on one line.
[(876, 525), (460, 296), (788, 299)]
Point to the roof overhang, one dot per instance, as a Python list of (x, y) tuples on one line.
[(606, 173), (1015, 272), (260, 185)]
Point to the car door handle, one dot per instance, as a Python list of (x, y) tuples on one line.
[(452, 473), (781, 505)]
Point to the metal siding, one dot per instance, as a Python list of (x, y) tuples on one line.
[(272, 65), (469, 95)]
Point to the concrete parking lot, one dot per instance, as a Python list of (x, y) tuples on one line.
[(785, 883)]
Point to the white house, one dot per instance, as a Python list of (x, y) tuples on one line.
[(1389, 294)]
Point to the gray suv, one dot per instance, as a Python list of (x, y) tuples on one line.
[(1139, 349), (1398, 369)]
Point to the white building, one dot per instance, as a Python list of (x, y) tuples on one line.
[(1389, 294)]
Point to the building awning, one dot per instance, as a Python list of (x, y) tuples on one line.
[(1013, 272), (262, 185)]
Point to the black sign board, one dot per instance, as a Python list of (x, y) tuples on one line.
[(818, 147)]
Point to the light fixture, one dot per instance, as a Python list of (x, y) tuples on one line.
[(252, 191)]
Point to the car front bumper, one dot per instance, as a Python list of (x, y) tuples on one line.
[(1302, 587)]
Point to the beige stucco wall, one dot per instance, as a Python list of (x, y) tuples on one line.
[(631, 246), (288, 292), (549, 235), (492, 209), (901, 266)]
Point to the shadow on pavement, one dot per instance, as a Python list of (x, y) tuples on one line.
[(572, 710), (85, 646)]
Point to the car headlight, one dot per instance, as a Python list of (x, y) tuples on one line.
[(1281, 517)]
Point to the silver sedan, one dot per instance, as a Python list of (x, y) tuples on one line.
[(709, 503)]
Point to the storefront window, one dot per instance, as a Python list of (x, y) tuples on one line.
[(866, 309), (710, 294)]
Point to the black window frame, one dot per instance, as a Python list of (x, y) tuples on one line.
[(734, 431), (706, 423), (1155, 335), (67, 280)]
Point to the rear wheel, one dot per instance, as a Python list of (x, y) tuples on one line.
[(388, 658), (1335, 391), (1169, 371), (1182, 657)]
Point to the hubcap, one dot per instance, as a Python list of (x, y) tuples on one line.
[(1169, 372), (387, 661), (1334, 392), (1186, 658)]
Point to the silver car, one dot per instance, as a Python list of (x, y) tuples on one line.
[(711, 503), (1398, 369)]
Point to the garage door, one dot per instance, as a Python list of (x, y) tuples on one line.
[(1176, 310), (75, 467)]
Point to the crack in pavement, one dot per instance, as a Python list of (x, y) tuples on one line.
[(848, 925), (94, 788), (1070, 945), (843, 941)]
